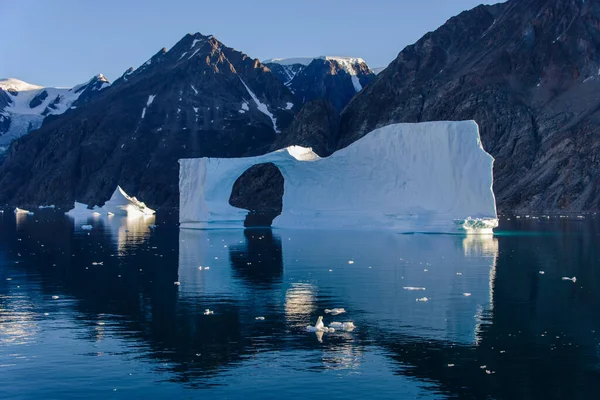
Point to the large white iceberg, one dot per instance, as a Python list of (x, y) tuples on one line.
[(426, 177)]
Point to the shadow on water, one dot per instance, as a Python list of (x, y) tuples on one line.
[(494, 326)]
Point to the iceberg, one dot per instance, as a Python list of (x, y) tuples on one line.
[(425, 177), (120, 203)]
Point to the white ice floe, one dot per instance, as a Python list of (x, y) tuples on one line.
[(335, 311), (208, 312), (343, 326), (423, 299), (177, 283), (87, 227), (319, 327), (44, 207), (22, 211), (412, 288), (566, 278), (260, 318), (427, 177)]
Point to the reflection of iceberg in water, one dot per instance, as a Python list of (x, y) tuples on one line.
[(125, 231), (483, 246), (128, 231), (446, 265)]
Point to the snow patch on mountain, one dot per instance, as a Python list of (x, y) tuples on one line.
[(427, 177), (290, 61), (261, 106)]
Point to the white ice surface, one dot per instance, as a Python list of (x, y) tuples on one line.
[(428, 177), (120, 203)]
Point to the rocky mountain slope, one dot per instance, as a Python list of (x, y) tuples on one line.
[(200, 98), (528, 72), (336, 79), (23, 106)]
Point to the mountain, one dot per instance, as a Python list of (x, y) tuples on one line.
[(200, 98), (23, 106), (527, 71), (287, 68), (336, 79)]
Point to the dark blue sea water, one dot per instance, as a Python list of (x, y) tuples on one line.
[(97, 314)]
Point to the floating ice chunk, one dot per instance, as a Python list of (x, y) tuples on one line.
[(478, 225), (21, 211), (413, 288), (344, 326), (335, 311), (98, 263), (54, 297), (86, 227), (566, 278), (467, 294), (177, 283), (43, 207), (319, 327), (350, 262), (542, 272), (423, 299), (208, 312), (289, 106), (260, 318), (450, 365)]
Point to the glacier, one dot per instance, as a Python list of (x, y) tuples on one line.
[(425, 177)]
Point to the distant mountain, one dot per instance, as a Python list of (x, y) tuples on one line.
[(528, 72), (23, 106), (336, 79), (200, 98)]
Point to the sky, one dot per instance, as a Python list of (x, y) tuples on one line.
[(66, 42)]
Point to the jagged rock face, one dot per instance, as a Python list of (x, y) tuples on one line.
[(285, 73), (528, 72), (335, 79), (198, 99), (259, 190), (314, 126)]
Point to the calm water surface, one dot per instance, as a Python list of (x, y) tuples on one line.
[(98, 315)]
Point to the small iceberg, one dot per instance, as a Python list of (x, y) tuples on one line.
[(260, 318), (566, 278), (208, 312), (335, 311), (343, 326), (21, 211), (121, 203), (477, 226), (412, 288), (319, 327), (86, 227)]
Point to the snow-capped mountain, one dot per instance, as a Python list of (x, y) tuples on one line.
[(23, 106), (199, 98), (336, 79)]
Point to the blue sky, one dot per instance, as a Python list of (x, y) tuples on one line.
[(65, 42)]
